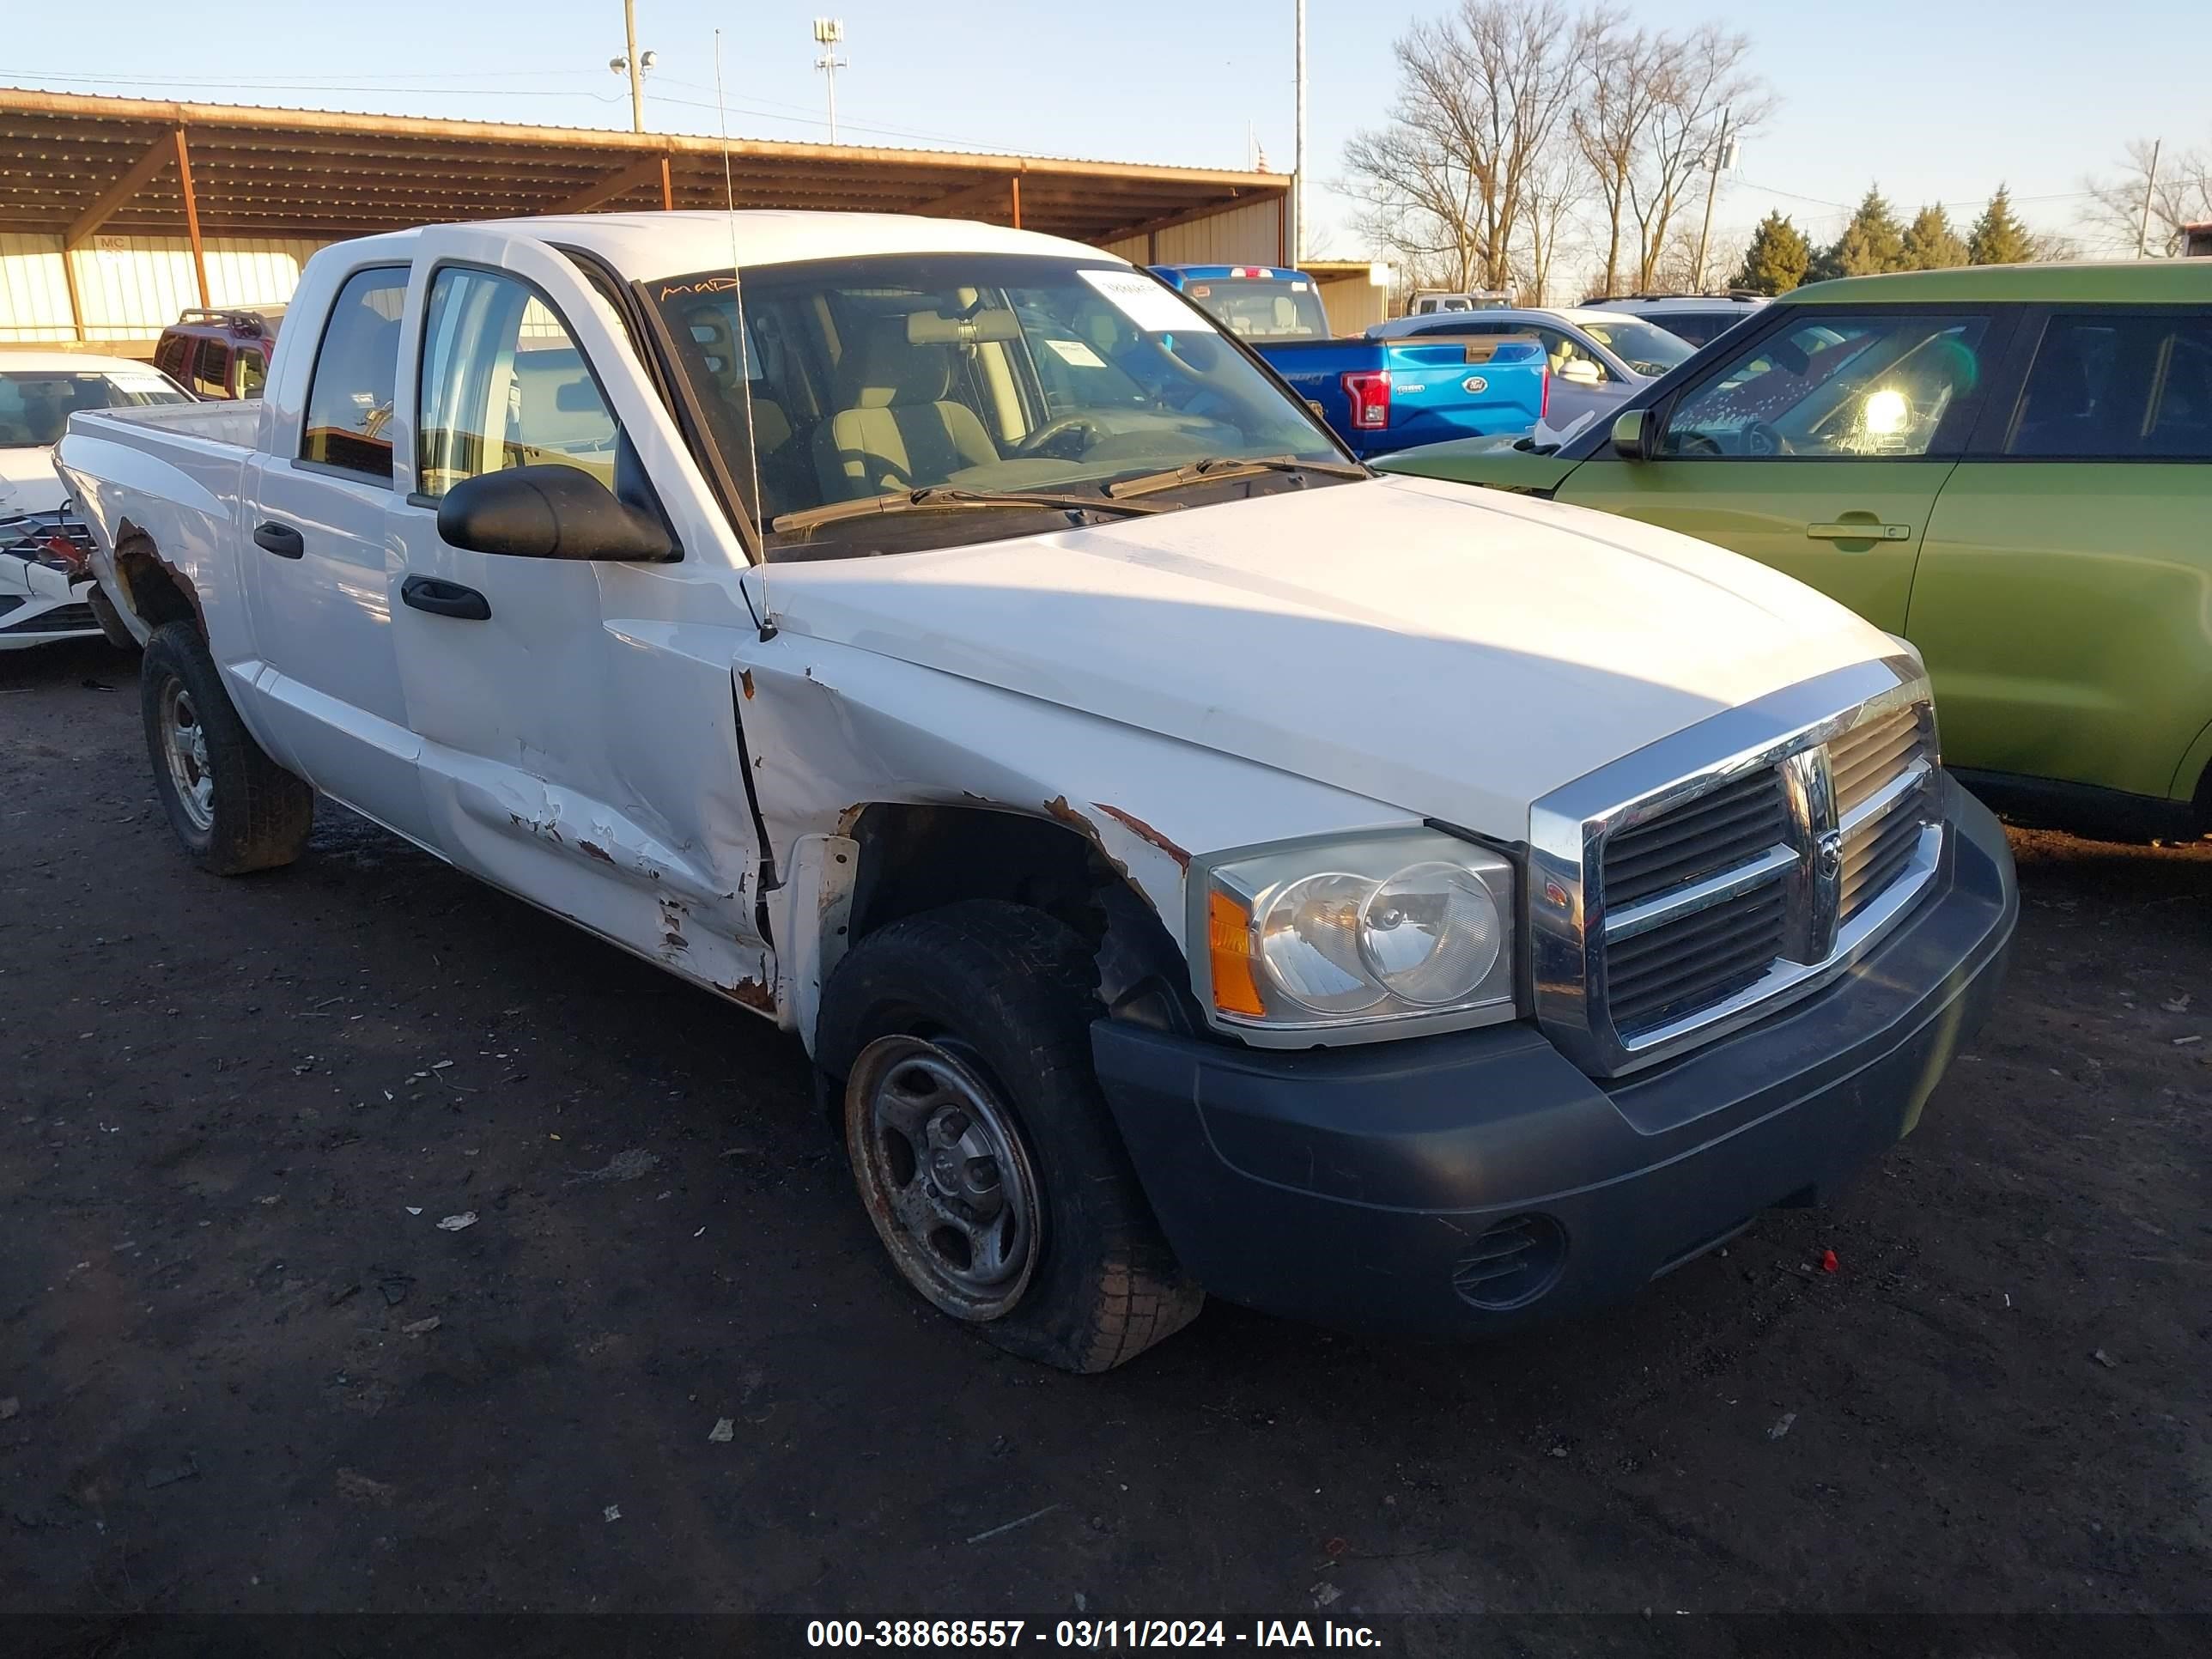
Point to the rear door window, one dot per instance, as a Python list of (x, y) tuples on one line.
[(348, 425), (252, 372), (2120, 386), (212, 369)]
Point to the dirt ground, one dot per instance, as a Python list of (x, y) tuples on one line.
[(242, 1368)]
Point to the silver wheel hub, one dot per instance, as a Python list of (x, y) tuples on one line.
[(184, 746), (945, 1175)]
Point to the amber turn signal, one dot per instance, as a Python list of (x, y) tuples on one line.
[(1229, 951)]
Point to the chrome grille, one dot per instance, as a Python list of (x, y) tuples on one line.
[(1716, 831), (1694, 961), (1688, 907), (1882, 770)]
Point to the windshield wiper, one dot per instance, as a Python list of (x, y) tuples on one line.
[(943, 497), (1229, 467)]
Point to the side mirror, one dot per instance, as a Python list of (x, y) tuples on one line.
[(549, 512), (1581, 371), (1633, 432)]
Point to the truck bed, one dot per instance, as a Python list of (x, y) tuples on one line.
[(173, 472)]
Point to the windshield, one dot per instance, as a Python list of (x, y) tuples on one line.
[(973, 372), (1262, 309), (1646, 350), (35, 405)]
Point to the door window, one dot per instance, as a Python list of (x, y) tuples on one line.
[(504, 385), (349, 397), (2116, 386), (252, 373), (212, 369), (1870, 385), (169, 355)]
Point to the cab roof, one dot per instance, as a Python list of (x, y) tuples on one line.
[(646, 246), (2134, 282)]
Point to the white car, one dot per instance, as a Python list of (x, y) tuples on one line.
[(1192, 862), (47, 591)]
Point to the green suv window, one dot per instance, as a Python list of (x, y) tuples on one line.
[(1877, 385), (2118, 387)]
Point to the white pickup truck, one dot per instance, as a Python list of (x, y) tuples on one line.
[(1192, 862)]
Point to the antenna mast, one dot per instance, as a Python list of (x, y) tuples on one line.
[(741, 342)]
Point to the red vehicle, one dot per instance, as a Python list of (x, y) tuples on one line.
[(220, 354)]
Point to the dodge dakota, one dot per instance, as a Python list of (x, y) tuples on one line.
[(1191, 863)]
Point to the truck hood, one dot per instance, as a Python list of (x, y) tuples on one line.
[(28, 482), (1451, 653)]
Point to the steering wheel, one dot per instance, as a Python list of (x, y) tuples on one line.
[(1051, 440), (1760, 439)]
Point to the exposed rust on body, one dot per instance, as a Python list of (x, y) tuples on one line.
[(1059, 810), (1143, 831), (592, 849), (751, 993), (745, 682)]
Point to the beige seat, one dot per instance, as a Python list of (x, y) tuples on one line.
[(900, 428)]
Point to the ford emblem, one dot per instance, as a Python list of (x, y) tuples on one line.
[(1474, 384)]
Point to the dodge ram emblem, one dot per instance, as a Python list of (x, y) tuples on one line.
[(1830, 854)]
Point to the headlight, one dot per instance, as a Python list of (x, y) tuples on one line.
[(1356, 939)]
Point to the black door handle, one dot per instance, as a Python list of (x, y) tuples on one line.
[(443, 598), (279, 538)]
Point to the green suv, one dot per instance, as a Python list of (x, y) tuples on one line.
[(2010, 466)]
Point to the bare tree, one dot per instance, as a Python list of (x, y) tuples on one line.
[(2181, 195), (1628, 69), (1558, 188), (1481, 95), (1701, 76)]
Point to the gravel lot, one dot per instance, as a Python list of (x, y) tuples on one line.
[(242, 1368)]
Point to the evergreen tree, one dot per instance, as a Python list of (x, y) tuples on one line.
[(1998, 237), (1873, 241), (1776, 259), (1930, 244)]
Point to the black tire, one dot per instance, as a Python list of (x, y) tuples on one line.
[(110, 620), (1001, 995), (246, 812)]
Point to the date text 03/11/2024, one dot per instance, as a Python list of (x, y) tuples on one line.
[(1086, 1633)]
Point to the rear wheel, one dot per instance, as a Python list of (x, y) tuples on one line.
[(234, 808), (987, 1157)]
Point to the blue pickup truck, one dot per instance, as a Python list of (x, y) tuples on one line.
[(1376, 395)]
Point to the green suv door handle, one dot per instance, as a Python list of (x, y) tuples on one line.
[(1864, 530)]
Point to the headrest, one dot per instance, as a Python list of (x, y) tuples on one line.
[(885, 369)]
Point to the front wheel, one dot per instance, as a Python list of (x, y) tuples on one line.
[(234, 808), (986, 1156)]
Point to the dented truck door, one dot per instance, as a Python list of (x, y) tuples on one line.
[(579, 744)]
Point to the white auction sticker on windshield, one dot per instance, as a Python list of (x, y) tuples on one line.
[(1153, 308), (1075, 352), (143, 382)]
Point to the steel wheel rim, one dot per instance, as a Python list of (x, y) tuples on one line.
[(945, 1175), (184, 746)]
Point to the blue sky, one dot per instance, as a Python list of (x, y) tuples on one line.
[(1938, 101)]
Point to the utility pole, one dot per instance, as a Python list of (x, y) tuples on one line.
[(636, 72), (1712, 189), (2150, 184), (828, 32), (1298, 236)]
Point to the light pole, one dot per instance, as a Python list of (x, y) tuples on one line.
[(628, 61), (1712, 189), (1298, 235), (827, 32)]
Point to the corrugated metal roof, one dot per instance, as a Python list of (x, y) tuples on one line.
[(76, 164)]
